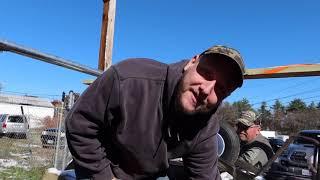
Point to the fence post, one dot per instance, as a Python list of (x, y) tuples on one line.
[(59, 134), (71, 100)]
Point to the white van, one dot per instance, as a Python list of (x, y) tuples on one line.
[(13, 125)]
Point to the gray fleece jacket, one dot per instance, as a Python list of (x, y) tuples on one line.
[(125, 125)]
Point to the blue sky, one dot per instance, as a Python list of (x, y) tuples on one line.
[(267, 33)]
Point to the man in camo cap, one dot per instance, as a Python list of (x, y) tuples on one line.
[(255, 148), (141, 112)]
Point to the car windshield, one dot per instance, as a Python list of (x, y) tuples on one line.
[(276, 141), (304, 141), (15, 119)]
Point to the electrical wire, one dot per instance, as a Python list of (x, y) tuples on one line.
[(300, 83), (50, 96), (288, 96)]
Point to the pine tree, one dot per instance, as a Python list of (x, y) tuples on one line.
[(296, 105), (278, 115), (265, 116), (242, 105)]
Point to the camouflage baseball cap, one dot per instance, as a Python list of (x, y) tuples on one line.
[(231, 54), (247, 118)]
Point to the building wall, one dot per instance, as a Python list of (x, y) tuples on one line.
[(35, 114), (268, 134)]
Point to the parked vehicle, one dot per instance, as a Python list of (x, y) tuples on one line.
[(276, 143), (13, 125), (49, 137), (300, 159), (297, 169)]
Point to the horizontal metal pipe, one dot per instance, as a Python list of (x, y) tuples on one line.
[(14, 48), (293, 70), (299, 70)]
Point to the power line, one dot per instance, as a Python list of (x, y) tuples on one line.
[(52, 96), (291, 87), (298, 84), (284, 97), (303, 99)]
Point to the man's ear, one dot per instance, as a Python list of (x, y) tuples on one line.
[(191, 62), (259, 129)]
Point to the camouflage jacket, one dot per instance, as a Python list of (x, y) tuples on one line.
[(257, 152)]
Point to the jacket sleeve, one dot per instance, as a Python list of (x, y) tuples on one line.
[(201, 163), (86, 126)]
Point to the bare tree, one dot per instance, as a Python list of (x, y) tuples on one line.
[(49, 122), (226, 112)]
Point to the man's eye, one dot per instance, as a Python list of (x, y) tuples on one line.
[(205, 72), (222, 89), (208, 75)]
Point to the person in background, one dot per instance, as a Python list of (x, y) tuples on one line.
[(140, 113), (255, 148)]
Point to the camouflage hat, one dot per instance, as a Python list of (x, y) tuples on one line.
[(231, 54), (247, 118)]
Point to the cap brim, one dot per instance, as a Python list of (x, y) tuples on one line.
[(228, 58), (244, 122)]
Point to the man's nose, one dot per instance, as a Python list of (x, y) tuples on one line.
[(206, 87)]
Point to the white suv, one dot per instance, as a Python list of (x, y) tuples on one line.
[(13, 125)]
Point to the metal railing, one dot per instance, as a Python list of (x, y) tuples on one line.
[(32, 53)]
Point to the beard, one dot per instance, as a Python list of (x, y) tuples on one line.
[(201, 109)]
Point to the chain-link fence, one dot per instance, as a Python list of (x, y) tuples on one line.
[(24, 148)]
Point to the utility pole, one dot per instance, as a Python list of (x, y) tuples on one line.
[(107, 32)]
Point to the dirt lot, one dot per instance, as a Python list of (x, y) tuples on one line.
[(25, 153)]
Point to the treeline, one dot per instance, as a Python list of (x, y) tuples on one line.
[(285, 119)]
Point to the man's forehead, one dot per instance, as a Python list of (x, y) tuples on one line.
[(219, 65), (224, 64), (239, 124), (217, 62)]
